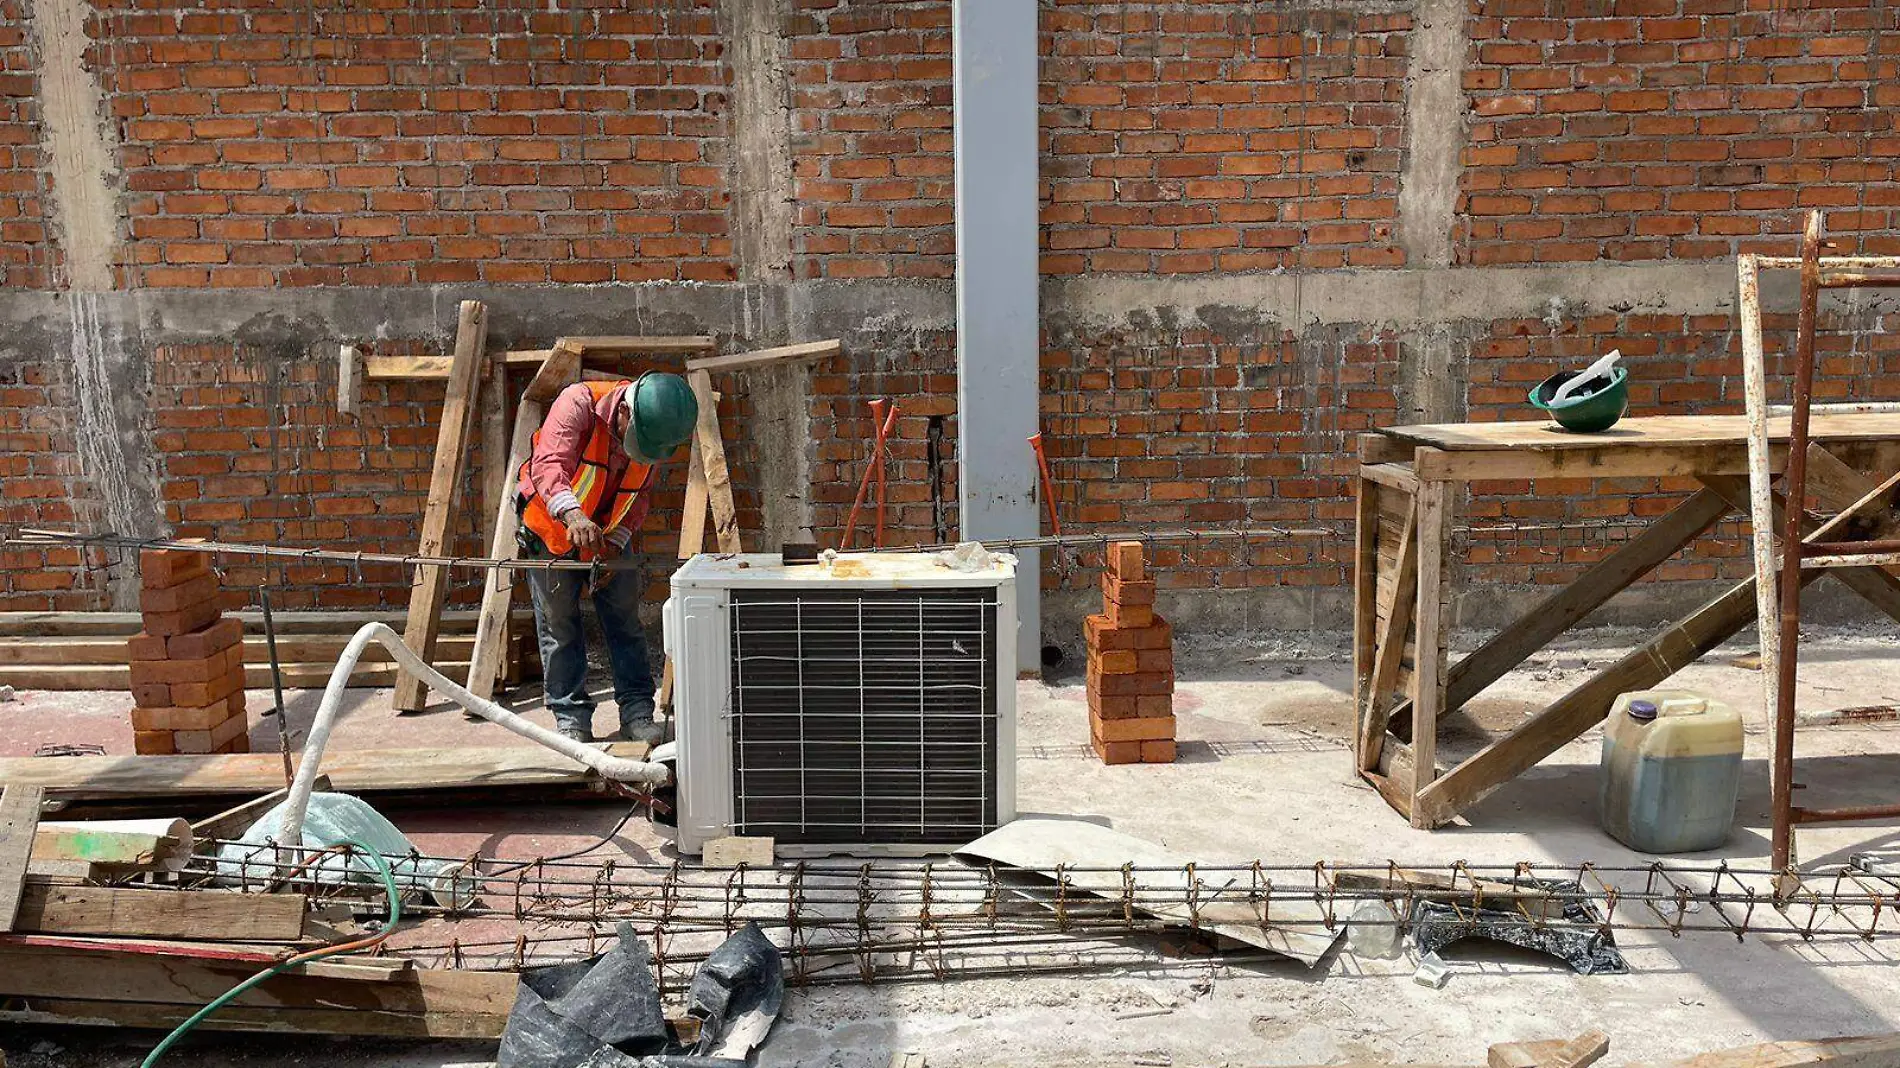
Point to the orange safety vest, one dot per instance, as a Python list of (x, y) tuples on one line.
[(606, 505)]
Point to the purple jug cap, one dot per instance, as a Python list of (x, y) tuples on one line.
[(1643, 710)]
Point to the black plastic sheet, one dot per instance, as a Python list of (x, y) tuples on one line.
[(1587, 947)]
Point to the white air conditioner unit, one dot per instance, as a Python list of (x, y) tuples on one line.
[(866, 705)]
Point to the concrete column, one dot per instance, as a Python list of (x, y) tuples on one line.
[(1434, 133), (762, 195), (109, 382), (994, 75)]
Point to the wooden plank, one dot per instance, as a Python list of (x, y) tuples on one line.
[(305, 649), (1391, 643), (1570, 605), (1666, 431), (1395, 476), (1365, 604), (780, 356), (196, 915), (431, 587), (693, 512), (637, 345), (126, 624), (495, 442), (498, 586), (561, 369), (350, 770), (19, 820), (1580, 1052), (70, 677), (725, 515), (1378, 448), (1608, 462), (1434, 541), (143, 990)]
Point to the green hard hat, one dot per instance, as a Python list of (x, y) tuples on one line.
[(661, 414)]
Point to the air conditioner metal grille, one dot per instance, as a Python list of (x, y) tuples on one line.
[(864, 716)]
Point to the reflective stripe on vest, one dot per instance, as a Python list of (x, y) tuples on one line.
[(605, 505)]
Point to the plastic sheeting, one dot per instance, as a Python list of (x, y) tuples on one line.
[(332, 820), (1588, 951), (605, 1012)]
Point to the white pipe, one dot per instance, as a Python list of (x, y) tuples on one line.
[(619, 769)]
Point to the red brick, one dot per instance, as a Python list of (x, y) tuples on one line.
[(1112, 662), (1133, 730), (1123, 593), (1103, 633), (143, 646), (180, 596), (1117, 752), (162, 568), (1151, 684), (173, 670), (152, 695), (1125, 561), (1157, 752), (222, 635), (191, 694), (159, 743), (183, 621), (1131, 615)]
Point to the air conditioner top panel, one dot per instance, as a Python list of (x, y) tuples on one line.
[(860, 571)]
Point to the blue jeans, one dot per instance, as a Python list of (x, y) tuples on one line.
[(557, 624)]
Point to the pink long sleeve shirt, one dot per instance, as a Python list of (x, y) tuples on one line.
[(557, 455)]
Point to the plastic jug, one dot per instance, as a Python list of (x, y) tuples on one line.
[(1671, 769)]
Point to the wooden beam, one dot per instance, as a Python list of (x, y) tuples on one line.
[(693, 511), (148, 990), (560, 370), (1391, 646), (311, 676), (712, 451), (780, 356), (291, 649), (126, 624), (636, 345), (195, 915), (1365, 605), (451, 446), (19, 819), (1428, 660), (351, 770), (1865, 1051)]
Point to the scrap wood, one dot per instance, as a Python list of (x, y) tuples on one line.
[(779, 356), (356, 771), (561, 369), (431, 588), (148, 844), (107, 987), (1861, 1051), (19, 817), (201, 915)]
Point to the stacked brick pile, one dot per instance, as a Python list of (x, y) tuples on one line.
[(188, 662), (1131, 666)]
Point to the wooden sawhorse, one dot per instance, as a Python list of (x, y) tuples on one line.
[(1409, 480)]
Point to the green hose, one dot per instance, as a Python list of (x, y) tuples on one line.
[(395, 917)]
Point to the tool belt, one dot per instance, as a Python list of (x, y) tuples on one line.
[(528, 544)]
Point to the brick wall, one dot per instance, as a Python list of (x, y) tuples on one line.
[(1183, 139), (332, 148), (1673, 129), (333, 144), (26, 256)]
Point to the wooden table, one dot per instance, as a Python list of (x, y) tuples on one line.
[(1407, 496)]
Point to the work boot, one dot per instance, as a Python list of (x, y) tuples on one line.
[(578, 734), (643, 730)]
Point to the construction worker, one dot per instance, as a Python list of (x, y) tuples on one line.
[(582, 494)]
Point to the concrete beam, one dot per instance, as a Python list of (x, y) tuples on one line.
[(994, 84)]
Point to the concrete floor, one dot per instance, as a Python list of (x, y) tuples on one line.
[(1264, 773)]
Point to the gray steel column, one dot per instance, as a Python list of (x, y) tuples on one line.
[(994, 71)]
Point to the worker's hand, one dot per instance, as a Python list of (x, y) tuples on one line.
[(584, 532)]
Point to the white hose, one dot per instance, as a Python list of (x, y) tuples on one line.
[(619, 769)]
